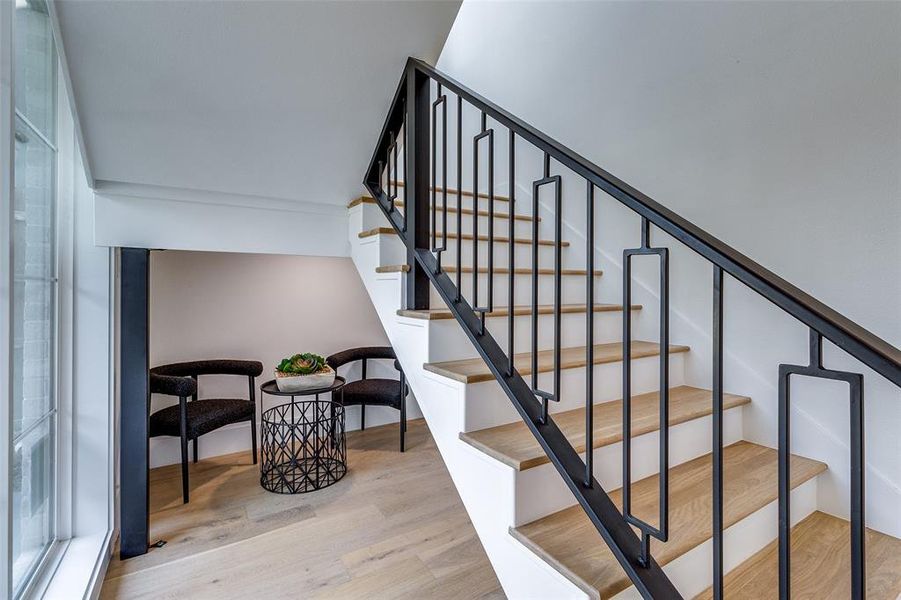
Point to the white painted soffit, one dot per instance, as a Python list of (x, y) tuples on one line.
[(272, 99)]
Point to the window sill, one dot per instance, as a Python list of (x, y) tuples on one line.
[(79, 571)]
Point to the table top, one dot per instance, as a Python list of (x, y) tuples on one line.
[(271, 387)]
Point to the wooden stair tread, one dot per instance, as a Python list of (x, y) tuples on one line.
[(513, 443), (451, 209), (474, 370), (569, 541), (498, 239), (820, 564), (439, 314), (466, 194), (497, 270)]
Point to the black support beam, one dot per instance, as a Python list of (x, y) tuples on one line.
[(134, 397)]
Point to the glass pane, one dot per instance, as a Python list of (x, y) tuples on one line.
[(33, 205), (34, 301), (36, 66), (33, 353), (32, 499)]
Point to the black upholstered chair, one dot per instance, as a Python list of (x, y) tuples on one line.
[(377, 392), (190, 420)]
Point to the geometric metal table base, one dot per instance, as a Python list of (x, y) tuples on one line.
[(303, 446)]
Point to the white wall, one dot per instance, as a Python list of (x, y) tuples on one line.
[(257, 307), (774, 126), (142, 216)]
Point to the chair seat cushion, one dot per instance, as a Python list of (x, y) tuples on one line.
[(203, 416), (382, 392)]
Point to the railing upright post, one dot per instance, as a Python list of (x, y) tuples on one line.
[(416, 185)]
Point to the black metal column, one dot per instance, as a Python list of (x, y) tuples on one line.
[(416, 186), (134, 395)]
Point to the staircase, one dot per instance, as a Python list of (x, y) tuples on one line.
[(530, 385)]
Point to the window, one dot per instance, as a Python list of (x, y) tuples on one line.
[(34, 294)]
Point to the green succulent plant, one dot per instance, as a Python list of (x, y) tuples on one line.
[(302, 364)]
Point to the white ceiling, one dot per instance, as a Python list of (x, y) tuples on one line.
[(273, 99)]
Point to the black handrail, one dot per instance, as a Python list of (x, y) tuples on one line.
[(860, 343), (410, 112)]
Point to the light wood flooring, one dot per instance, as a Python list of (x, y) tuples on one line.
[(394, 527)]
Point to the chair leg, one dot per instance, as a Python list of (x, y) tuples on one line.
[(253, 434), (184, 471), (194, 442), (362, 417), (183, 425)]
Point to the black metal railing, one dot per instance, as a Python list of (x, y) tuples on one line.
[(414, 117)]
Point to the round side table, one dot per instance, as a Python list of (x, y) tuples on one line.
[(303, 447)]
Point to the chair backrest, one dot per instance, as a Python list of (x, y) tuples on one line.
[(219, 366), (180, 379), (368, 352)]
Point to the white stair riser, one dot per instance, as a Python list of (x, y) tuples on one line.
[(572, 291), (487, 405), (691, 572), (455, 345), (389, 248), (540, 491), (468, 199), (522, 255), (373, 217), (392, 252)]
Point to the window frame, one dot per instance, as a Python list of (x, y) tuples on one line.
[(61, 278), (7, 129)]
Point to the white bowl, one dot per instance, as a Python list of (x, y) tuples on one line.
[(299, 383)]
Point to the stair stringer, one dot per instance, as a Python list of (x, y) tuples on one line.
[(486, 487)]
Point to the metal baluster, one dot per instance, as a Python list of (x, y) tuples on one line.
[(388, 170), (443, 174), (489, 134), (475, 224), (589, 343), (381, 164), (815, 369), (459, 197), (396, 174), (534, 344), (663, 460), (510, 257), (558, 286), (433, 212), (436, 248), (627, 380), (784, 415), (717, 433), (660, 532), (490, 219), (557, 182), (388, 164), (406, 190), (858, 524)]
